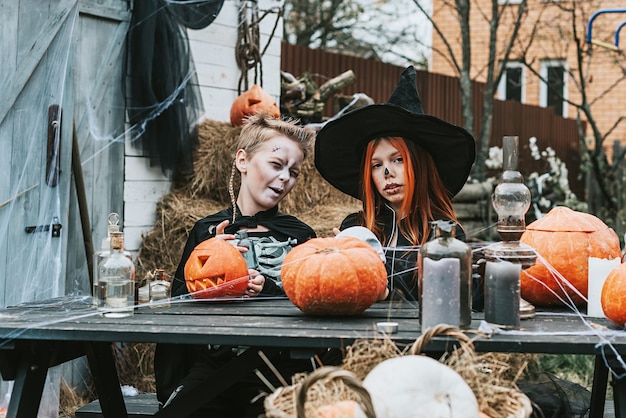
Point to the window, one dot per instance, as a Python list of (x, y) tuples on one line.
[(553, 88), (512, 84)]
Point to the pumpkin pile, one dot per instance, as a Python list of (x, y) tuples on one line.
[(564, 240), (216, 269), (333, 276)]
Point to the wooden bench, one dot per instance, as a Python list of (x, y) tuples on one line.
[(140, 406)]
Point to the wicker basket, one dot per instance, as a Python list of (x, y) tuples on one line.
[(497, 397), (324, 386)]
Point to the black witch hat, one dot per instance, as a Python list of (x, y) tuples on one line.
[(340, 144)]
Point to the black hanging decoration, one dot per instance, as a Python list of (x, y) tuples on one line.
[(163, 101)]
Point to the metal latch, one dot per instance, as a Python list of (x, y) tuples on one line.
[(55, 226)]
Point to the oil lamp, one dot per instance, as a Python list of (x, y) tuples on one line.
[(505, 260)]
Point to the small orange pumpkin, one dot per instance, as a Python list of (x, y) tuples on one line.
[(341, 409), (250, 102), (216, 269), (333, 276), (613, 296), (565, 239)]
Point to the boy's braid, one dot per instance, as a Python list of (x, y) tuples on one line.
[(231, 190)]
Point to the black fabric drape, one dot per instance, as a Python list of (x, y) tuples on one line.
[(163, 102)]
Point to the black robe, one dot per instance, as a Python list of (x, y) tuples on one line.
[(401, 260)]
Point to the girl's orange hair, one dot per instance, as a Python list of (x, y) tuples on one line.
[(424, 202)]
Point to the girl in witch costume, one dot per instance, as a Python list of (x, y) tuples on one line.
[(404, 166), (269, 157)]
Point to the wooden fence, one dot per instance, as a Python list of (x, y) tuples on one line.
[(441, 97)]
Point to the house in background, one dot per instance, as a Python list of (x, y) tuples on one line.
[(542, 68)]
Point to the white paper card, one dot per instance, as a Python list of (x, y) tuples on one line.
[(599, 269)]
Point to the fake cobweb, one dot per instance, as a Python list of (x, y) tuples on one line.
[(45, 107), (44, 275)]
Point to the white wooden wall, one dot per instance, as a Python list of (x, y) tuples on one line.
[(213, 50)]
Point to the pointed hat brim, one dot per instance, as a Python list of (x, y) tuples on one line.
[(340, 144)]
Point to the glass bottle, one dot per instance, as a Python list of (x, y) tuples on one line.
[(117, 280), (105, 250), (160, 290), (444, 274), (143, 289)]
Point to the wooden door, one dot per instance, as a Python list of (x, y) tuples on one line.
[(59, 62)]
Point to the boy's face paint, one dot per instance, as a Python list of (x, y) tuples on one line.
[(268, 174), (388, 173)]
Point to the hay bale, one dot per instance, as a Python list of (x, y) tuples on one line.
[(323, 218), (212, 161)]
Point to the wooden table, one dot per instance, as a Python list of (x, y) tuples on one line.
[(36, 336)]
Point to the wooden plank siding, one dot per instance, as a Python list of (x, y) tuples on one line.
[(441, 97)]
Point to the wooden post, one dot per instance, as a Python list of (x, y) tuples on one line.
[(83, 209)]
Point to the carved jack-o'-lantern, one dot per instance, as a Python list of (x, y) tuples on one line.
[(250, 102), (565, 239), (216, 269)]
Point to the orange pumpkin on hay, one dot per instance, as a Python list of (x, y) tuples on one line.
[(216, 269), (250, 102), (565, 239)]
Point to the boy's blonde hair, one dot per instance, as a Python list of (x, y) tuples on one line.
[(260, 128)]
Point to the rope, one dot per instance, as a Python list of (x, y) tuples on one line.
[(248, 52)]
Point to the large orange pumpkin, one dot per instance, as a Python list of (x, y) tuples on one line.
[(565, 239), (613, 296), (333, 276), (250, 102), (216, 269)]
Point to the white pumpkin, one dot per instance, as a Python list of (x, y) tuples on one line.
[(419, 387)]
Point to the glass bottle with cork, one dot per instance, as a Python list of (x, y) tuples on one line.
[(444, 274), (105, 250), (117, 280)]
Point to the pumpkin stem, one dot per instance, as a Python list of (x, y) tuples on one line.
[(327, 250)]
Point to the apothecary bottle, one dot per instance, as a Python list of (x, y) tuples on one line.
[(160, 290), (117, 280), (99, 256), (444, 278)]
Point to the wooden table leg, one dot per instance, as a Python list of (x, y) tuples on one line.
[(102, 365), (598, 390), (619, 395), (30, 377)]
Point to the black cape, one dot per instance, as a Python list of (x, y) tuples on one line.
[(280, 225)]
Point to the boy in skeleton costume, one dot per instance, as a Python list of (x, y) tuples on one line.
[(269, 157)]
